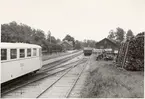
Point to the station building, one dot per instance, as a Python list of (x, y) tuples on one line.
[(108, 45), (67, 45)]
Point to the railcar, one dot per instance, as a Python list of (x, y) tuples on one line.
[(87, 51), (18, 59)]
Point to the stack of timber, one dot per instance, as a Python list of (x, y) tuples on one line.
[(135, 54), (121, 54), (131, 54)]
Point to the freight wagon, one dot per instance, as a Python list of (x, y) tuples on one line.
[(87, 51)]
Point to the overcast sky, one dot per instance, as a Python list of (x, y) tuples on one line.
[(82, 19)]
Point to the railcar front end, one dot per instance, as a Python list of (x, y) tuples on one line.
[(18, 59), (87, 51)]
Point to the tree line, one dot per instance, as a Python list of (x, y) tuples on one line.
[(14, 32), (120, 35)]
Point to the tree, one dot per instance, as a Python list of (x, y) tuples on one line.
[(85, 43), (77, 44), (14, 32), (58, 40), (120, 33), (117, 36), (5, 33), (129, 34), (88, 43), (26, 33), (91, 43), (111, 35), (39, 37), (69, 38), (51, 39)]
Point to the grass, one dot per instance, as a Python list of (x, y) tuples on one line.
[(54, 55), (107, 81)]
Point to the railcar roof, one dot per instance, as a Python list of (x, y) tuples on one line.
[(87, 48), (18, 45)]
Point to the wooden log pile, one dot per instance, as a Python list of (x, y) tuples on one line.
[(121, 54), (134, 59), (135, 54)]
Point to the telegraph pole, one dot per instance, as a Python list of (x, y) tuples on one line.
[(49, 34)]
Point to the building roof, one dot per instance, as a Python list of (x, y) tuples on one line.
[(69, 43), (108, 41)]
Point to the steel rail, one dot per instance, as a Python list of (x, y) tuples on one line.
[(69, 92), (35, 80), (39, 73), (66, 58), (45, 70), (60, 61), (58, 79)]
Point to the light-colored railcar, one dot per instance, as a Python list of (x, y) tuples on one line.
[(18, 59)]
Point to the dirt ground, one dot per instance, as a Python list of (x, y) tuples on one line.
[(105, 80)]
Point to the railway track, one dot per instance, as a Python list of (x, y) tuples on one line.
[(65, 93), (46, 75), (56, 63), (45, 68), (50, 61), (55, 56)]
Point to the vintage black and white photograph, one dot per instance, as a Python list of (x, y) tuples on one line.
[(72, 48)]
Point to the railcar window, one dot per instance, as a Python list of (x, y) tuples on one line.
[(40, 52), (22, 53), (3, 54), (34, 51), (29, 52), (13, 53)]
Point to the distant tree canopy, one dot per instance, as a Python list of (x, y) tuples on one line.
[(117, 36), (69, 38), (89, 43), (14, 32), (129, 34), (78, 44), (52, 40), (120, 34), (58, 40), (111, 35)]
